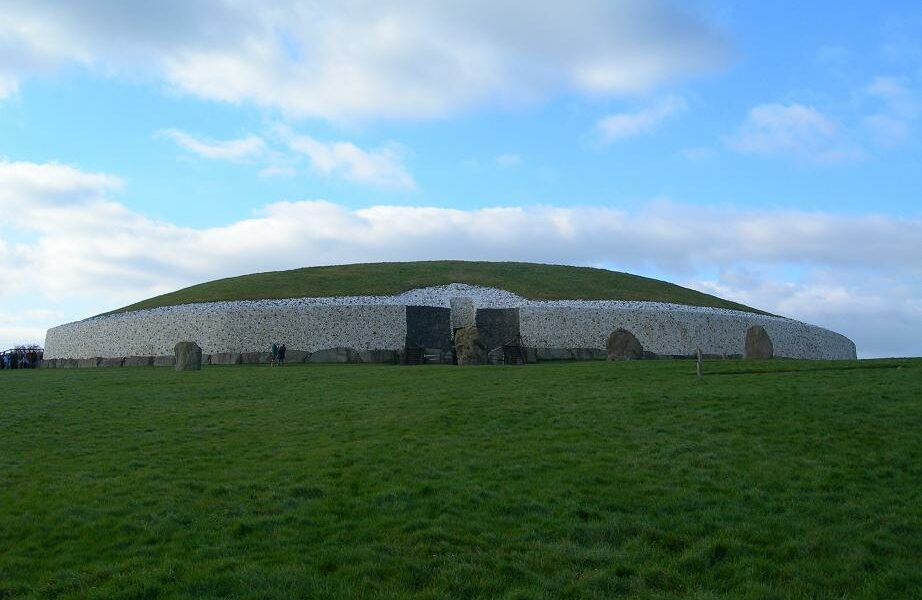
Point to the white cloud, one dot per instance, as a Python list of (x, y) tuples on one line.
[(364, 58), (381, 167), (91, 254), (892, 90), (630, 124), (508, 160), (233, 150), (886, 131), (278, 171), (795, 131), (900, 107), (280, 155)]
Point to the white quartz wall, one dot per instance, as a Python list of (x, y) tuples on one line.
[(676, 331), (231, 327), (379, 323)]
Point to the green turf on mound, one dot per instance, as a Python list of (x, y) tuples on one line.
[(538, 282)]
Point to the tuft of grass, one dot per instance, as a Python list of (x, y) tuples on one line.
[(534, 281), (778, 479)]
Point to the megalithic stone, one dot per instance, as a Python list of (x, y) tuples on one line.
[(188, 356)]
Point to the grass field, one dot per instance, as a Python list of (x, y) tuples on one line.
[(780, 479), (540, 282)]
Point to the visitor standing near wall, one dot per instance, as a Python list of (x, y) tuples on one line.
[(275, 355), (282, 355)]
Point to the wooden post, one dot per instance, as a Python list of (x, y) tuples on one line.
[(698, 354)]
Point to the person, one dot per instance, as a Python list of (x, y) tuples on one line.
[(275, 355), (281, 356)]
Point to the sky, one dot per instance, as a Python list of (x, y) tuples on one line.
[(764, 152)]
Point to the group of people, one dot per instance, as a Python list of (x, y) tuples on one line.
[(278, 355), (20, 358)]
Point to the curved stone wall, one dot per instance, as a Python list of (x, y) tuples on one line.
[(373, 323), (231, 328), (678, 331)]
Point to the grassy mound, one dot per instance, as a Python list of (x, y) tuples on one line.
[(535, 281), (783, 479)]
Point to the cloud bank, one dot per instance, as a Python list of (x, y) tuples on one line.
[(78, 252), (361, 58), (619, 126), (794, 131)]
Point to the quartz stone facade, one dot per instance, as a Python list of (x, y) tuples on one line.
[(378, 328)]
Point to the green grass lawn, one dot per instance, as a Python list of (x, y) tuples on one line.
[(540, 282), (778, 479)]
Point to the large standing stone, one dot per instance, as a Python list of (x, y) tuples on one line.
[(758, 344), (463, 312), (468, 347), (188, 356), (622, 345)]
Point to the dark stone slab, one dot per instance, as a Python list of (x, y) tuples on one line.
[(164, 361), (429, 327), (546, 354), (48, 363), (67, 363), (498, 327), (623, 345), (589, 354), (758, 345), (388, 357), (335, 355), (111, 362), (296, 356), (139, 361), (255, 358), (226, 358), (88, 363)]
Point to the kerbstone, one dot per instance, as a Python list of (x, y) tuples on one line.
[(758, 344), (139, 361), (226, 358), (623, 345), (188, 356), (335, 355)]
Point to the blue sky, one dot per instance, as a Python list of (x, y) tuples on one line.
[(765, 152)]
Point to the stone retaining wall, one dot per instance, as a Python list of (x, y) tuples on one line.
[(220, 330), (677, 332), (374, 329)]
